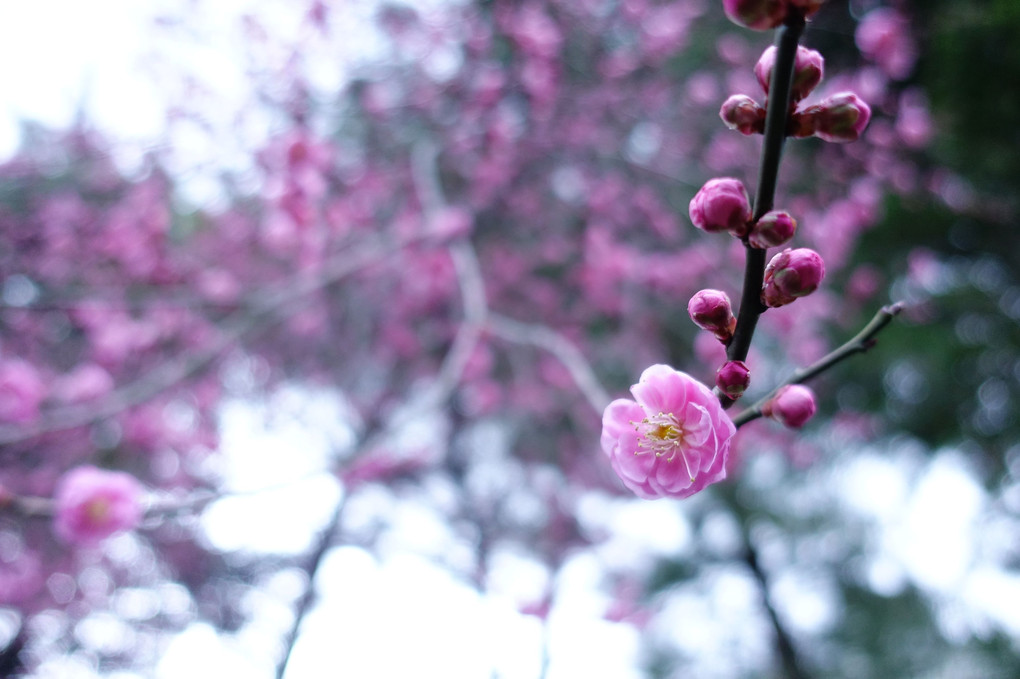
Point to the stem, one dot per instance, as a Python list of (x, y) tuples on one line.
[(784, 644), (860, 343), (308, 597), (776, 115)]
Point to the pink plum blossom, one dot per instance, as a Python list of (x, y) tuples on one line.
[(93, 504), (672, 441)]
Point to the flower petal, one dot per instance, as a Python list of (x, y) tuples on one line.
[(661, 389)]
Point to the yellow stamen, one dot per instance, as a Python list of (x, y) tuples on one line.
[(663, 435)]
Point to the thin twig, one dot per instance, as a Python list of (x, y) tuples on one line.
[(266, 308), (308, 596), (559, 346), (470, 281), (860, 343), (784, 644)]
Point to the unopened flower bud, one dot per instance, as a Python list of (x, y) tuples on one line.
[(710, 310), (792, 274), (774, 228), (721, 205), (742, 113), (733, 378), (839, 118), (759, 15), (808, 67), (792, 406), (801, 124)]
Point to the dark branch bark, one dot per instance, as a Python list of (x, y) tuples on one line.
[(777, 113), (792, 668), (860, 343)]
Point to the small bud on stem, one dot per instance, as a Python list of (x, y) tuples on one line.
[(733, 378), (792, 406), (711, 310)]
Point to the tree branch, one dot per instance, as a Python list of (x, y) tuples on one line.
[(784, 644), (559, 346), (860, 343), (751, 307), (266, 308)]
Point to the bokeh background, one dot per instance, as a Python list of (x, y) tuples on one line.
[(346, 285)]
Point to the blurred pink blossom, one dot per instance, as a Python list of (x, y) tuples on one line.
[(884, 36), (21, 391), (84, 383), (93, 504), (672, 441), (758, 15)]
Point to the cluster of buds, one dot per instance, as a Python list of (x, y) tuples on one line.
[(722, 206), (841, 117)]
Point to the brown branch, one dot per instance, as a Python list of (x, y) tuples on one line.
[(860, 343), (751, 307), (265, 309)]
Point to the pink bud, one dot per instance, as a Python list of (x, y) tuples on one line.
[(839, 118), (710, 310), (91, 504), (759, 15), (792, 406), (742, 113), (808, 68), (733, 378), (721, 205), (792, 274), (774, 228)]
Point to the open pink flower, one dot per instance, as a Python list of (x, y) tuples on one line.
[(672, 441), (93, 504)]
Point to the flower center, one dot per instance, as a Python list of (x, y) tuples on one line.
[(663, 435), (98, 511)]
